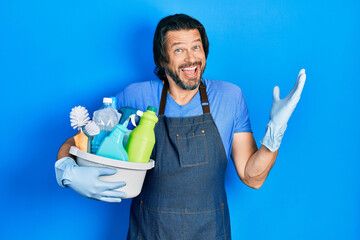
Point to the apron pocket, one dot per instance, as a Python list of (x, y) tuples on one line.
[(183, 225), (161, 225), (206, 225), (191, 145)]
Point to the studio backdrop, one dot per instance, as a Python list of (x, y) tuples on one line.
[(55, 55)]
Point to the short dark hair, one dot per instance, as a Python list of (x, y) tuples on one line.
[(174, 23)]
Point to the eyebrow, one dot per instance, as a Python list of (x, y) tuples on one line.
[(179, 43)]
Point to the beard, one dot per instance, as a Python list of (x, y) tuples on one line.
[(194, 83)]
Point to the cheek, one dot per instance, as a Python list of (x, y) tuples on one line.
[(202, 58), (173, 66), (201, 55), (176, 63)]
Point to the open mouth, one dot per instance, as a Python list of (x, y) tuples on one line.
[(190, 72)]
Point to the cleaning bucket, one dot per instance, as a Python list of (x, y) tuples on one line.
[(131, 172)]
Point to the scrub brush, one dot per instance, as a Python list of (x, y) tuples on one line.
[(79, 117), (90, 130)]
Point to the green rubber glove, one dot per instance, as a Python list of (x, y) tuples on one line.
[(280, 113)]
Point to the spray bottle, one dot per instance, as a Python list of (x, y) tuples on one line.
[(132, 114), (112, 146)]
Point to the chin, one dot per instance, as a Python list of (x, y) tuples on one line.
[(192, 84)]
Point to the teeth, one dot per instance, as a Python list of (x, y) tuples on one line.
[(188, 69)]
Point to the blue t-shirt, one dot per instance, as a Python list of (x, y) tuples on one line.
[(227, 105)]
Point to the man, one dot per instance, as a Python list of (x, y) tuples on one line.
[(201, 123)]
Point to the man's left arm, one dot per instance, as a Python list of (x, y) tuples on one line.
[(252, 164)]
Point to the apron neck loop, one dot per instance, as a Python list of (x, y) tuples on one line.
[(163, 98), (204, 99), (203, 95)]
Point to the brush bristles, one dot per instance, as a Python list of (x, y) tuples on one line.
[(91, 129), (79, 117)]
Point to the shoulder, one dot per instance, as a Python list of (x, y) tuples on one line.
[(147, 86), (223, 89), (141, 94), (225, 99)]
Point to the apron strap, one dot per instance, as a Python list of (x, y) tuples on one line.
[(203, 95), (204, 99), (163, 98)]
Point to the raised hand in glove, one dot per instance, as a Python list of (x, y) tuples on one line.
[(280, 113)]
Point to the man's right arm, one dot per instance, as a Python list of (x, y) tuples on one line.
[(84, 180), (65, 148)]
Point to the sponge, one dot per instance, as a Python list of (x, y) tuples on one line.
[(81, 141)]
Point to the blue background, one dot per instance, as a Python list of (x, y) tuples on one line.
[(59, 54)]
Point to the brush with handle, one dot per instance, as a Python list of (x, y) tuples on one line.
[(79, 117), (90, 130)]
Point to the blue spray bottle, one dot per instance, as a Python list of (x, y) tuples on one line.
[(112, 146), (134, 116)]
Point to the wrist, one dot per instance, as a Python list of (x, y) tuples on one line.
[(273, 136), (63, 167)]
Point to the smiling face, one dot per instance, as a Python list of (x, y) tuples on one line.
[(186, 56)]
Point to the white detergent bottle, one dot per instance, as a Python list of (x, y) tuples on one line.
[(106, 118)]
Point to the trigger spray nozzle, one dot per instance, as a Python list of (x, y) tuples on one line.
[(129, 114), (126, 122), (133, 117)]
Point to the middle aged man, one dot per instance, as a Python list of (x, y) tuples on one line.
[(201, 123)]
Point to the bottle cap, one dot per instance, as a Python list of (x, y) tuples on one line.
[(150, 108), (139, 113), (107, 100)]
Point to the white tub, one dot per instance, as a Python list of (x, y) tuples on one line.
[(130, 172)]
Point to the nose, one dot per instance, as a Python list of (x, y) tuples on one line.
[(190, 57)]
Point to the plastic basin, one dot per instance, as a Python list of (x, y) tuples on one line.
[(130, 172)]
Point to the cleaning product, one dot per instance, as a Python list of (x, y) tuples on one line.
[(112, 146), (106, 118), (142, 139), (127, 112), (132, 114), (79, 117), (90, 130), (114, 104)]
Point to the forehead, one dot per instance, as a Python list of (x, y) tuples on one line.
[(182, 36)]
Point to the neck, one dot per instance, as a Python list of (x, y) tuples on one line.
[(180, 95)]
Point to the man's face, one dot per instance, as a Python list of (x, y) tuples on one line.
[(186, 58)]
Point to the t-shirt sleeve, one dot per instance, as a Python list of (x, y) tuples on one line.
[(120, 99), (127, 98), (139, 95), (242, 118)]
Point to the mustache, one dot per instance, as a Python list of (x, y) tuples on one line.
[(190, 64)]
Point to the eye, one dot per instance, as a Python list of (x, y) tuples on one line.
[(178, 50), (197, 47)]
